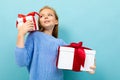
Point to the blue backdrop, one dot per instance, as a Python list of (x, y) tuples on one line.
[(94, 22)]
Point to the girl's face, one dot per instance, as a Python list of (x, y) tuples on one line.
[(47, 19)]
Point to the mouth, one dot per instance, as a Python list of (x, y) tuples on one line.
[(46, 21)]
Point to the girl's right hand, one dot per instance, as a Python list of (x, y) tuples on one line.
[(25, 27)]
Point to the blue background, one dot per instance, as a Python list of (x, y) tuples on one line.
[(94, 22)]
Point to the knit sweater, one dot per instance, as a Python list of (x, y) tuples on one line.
[(39, 56)]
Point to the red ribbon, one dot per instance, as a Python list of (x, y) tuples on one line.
[(79, 56), (29, 14)]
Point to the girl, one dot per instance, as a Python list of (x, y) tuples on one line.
[(39, 52)]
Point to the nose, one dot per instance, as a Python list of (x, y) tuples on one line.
[(46, 17)]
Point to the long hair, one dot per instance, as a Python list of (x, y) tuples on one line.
[(55, 30)]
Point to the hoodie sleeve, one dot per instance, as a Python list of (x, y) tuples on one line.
[(62, 43), (23, 55)]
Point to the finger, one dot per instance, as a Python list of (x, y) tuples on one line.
[(29, 22), (93, 67), (30, 25), (92, 72), (30, 28)]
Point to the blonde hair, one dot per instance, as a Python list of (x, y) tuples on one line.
[(55, 30)]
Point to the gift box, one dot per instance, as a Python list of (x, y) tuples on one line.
[(32, 16), (75, 57)]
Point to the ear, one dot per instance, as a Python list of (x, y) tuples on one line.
[(56, 22)]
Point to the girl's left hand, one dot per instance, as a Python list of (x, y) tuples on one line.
[(93, 68)]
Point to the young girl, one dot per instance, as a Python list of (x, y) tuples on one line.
[(39, 52)]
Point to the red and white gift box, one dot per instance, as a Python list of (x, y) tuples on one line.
[(32, 16), (75, 57)]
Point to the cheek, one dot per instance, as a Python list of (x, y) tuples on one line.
[(41, 20), (53, 20)]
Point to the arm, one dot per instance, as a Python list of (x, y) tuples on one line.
[(62, 43), (22, 51), (22, 30)]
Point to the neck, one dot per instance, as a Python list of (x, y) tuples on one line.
[(49, 32)]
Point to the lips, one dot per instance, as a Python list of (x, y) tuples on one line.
[(46, 21)]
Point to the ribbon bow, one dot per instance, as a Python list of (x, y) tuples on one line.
[(79, 55), (29, 14), (76, 45)]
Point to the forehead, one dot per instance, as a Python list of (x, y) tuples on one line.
[(45, 11)]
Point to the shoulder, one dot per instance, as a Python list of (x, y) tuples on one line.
[(34, 34), (62, 42)]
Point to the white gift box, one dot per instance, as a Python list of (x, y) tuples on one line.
[(66, 57), (34, 18)]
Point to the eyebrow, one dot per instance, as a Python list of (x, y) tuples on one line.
[(47, 14)]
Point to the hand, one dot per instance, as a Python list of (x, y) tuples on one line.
[(93, 68), (25, 27)]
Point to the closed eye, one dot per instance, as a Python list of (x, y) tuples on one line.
[(50, 15)]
